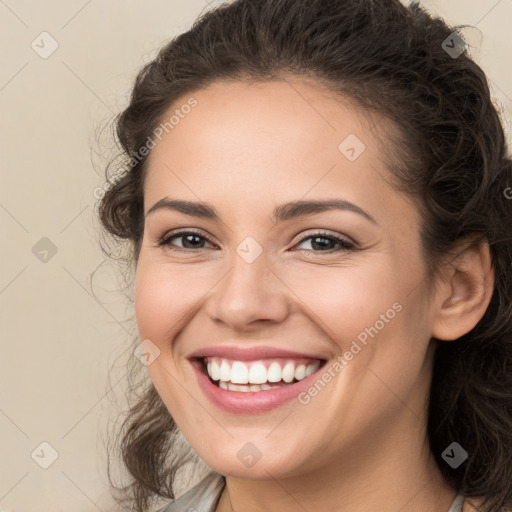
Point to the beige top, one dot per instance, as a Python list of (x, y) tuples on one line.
[(205, 496)]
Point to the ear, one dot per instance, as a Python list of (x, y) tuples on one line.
[(464, 292)]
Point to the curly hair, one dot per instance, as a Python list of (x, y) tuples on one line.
[(452, 158)]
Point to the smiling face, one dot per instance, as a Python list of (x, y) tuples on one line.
[(340, 286)]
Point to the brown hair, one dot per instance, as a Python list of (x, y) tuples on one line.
[(452, 157)]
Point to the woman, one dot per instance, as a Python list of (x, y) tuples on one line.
[(315, 199)]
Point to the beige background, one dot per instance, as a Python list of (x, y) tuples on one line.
[(59, 339)]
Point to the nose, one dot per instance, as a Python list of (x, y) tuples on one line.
[(249, 295)]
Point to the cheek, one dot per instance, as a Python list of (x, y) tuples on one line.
[(379, 326), (164, 299), (345, 301)]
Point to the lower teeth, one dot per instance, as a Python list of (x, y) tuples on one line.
[(251, 387)]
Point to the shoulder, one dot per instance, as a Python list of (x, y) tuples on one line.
[(201, 498)]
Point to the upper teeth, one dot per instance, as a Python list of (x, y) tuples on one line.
[(259, 372)]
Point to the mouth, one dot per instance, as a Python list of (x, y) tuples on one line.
[(253, 380), (260, 375)]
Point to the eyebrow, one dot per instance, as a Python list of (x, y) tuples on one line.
[(284, 212)]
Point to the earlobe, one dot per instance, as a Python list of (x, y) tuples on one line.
[(465, 292)]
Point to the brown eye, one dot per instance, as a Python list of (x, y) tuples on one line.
[(323, 242), (190, 240)]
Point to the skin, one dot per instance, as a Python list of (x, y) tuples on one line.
[(359, 444)]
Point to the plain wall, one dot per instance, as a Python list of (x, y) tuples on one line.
[(61, 331)]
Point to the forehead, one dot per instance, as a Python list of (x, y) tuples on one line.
[(269, 113), (270, 142)]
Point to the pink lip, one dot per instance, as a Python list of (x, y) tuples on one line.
[(251, 402), (250, 354)]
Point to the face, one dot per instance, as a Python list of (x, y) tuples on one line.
[(288, 338)]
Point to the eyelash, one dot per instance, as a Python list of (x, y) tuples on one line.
[(345, 245)]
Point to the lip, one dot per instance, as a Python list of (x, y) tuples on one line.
[(251, 402), (251, 354)]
